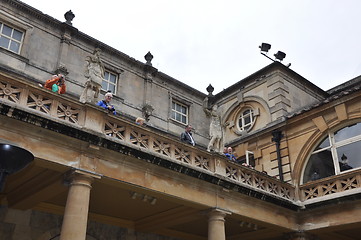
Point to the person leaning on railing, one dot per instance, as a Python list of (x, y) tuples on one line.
[(56, 84), (105, 103)]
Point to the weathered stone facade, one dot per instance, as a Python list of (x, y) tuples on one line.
[(98, 176)]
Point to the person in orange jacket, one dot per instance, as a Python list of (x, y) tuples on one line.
[(56, 84)]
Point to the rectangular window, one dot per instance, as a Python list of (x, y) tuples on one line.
[(10, 38), (110, 82), (179, 112)]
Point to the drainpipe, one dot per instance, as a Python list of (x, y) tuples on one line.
[(277, 136)]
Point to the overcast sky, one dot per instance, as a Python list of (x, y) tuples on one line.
[(202, 42)]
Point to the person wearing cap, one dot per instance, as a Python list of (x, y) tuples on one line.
[(105, 103), (56, 84)]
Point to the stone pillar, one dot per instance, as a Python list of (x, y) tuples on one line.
[(216, 229), (300, 235), (77, 206)]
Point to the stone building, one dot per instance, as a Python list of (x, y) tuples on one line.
[(72, 170)]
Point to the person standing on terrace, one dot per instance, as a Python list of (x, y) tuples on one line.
[(187, 137)]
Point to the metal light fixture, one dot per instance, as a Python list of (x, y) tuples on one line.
[(12, 159), (265, 47), (280, 55)]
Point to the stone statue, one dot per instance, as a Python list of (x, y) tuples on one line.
[(215, 128), (94, 72)]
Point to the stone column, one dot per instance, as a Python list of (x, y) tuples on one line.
[(216, 229), (77, 206), (300, 235)]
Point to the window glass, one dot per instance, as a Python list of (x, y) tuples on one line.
[(325, 143), (4, 42), (246, 119), (14, 46), (344, 151), (348, 132), (113, 78), (7, 30), (109, 82), (320, 165), (179, 112), (10, 38), (17, 35), (349, 156)]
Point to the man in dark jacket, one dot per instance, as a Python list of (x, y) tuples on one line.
[(187, 137)]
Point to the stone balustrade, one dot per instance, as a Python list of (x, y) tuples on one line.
[(331, 187), (87, 116)]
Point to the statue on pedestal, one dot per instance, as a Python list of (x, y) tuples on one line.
[(215, 127), (94, 72)]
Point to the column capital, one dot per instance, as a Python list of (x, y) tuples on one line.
[(79, 177), (217, 214)]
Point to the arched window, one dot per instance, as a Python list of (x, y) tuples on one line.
[(246, 119), (340, 151)]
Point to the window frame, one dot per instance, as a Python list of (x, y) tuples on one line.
[(180, 113), (242, 116), (11, 38), (332, 147), (21, 26), (108, 82)]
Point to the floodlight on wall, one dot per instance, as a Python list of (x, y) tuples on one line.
[(12, 159)]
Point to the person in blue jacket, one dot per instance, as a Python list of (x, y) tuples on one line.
[(229, 154), (105, 103)]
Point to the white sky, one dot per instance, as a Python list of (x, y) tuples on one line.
[(202, 42)]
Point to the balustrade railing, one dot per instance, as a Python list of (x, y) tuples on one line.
[(73, 112), (334, 185)]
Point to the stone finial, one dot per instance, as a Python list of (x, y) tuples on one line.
[(69, 16), (210, 90), (148, 57)]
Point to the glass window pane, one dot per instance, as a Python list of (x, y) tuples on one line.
[(349, 156), (184, 119), (104, 85), (320, 165), (173, 105), (173, 115), (106, 75), (17, 35), (325, 143), (112, 78), (240, 122), (348, 132), (178, 117), (7, 30), (184, 110), (14, 46), (178, 108), (247, 120), (4, 42), (111, 88)]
